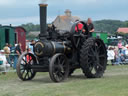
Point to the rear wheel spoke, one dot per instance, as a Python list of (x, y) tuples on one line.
[(92, 50), (96, 49), (90, 55), (99, 46), (90, 62), (100, 65), (103, 55), (22, 72)]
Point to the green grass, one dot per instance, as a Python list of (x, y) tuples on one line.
[(114, 83)]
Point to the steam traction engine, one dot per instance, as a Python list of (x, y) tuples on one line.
[(64, 53)]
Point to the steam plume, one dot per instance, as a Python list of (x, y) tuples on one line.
[(43, 1)]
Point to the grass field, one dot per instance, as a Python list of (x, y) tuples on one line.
[(114, 83)]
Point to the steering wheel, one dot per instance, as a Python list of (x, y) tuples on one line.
[(77, 34)]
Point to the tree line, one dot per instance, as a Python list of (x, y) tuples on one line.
[(109, 26)]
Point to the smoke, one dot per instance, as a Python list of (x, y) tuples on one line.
[(43, 1)]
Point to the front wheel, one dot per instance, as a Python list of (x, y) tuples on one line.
[(24, 71), (59, 67)]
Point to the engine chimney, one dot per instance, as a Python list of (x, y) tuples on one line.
[(43, 21)]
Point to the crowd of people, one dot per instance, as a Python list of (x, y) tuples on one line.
[(118, 55), (10, 54)]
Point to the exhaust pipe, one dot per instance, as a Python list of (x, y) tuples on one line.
[(43, 21)]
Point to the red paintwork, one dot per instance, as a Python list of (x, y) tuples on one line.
[(21, 32)]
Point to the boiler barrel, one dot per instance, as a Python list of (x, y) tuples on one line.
[(48, 48)]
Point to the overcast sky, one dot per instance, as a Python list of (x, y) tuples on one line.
[(18, 12)]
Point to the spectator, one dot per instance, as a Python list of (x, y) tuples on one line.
[(120, 46), (12, 49), (117, 57), (122, 55), (18, 52), (7, 53), (4, 66), (126, 52), (31, 46), (111, 55)]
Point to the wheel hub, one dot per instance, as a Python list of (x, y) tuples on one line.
[(27, 67)]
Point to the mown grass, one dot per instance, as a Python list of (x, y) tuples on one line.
[(114, 83)]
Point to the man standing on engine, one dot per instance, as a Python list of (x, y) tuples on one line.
[(90, 27)]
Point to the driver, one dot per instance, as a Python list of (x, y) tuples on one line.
[(79, 26), (90, 27)]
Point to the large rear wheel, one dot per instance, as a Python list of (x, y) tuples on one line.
[(93, 58)]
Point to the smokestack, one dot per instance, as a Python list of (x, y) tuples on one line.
[(43, 21)]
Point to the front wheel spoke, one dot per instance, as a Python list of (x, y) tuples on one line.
[(56, 66), (56, 75), (30, 61), (63, 62), (24, 60), (22, 64), (61, 74), (21, 68), (58, 60), (26, 74), (61, 67), (31, 71), (22, 72)]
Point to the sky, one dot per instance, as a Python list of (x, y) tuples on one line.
[(17, 12)]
